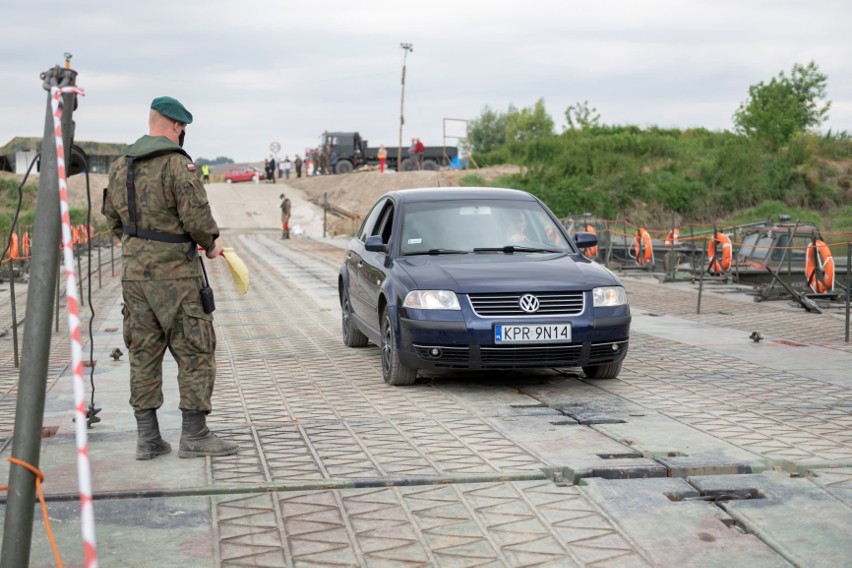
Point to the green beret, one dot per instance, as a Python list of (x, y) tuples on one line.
[(171, 108)]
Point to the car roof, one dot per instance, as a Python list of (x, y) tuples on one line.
[(457, 193)]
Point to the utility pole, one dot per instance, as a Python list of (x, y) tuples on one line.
[(32, 381), (406, 47)]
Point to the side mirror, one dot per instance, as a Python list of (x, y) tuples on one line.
[(375, 243), (585, 240)]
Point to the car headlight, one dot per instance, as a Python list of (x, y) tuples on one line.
[(431, 300), (609, 296)]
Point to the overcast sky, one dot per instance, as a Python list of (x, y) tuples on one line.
[(257, 71)]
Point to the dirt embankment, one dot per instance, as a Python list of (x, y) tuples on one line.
[(352, 193), (356, 192)]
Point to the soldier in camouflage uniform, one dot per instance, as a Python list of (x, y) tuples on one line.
[(161, 279)]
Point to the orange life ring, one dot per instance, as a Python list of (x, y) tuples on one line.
[(13, 246), (721, 265), (75, 235), (26, 244), (819, 267), (591, 252), (672, 238), (643, 248)]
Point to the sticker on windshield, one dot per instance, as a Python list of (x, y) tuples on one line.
[(415, 241)]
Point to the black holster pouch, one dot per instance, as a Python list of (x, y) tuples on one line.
[(208, 304)]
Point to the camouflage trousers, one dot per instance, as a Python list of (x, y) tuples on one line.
[(167, 314)]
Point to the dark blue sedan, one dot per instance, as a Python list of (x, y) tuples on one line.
[(478, 278)]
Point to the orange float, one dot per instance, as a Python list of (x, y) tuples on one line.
[(13, 246), (819, 267), (643, 249), (672, 238), (720, 262), (591, 252), (25, 244), (552, 234)]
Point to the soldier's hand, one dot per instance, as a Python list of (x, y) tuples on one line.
[(215, 251)]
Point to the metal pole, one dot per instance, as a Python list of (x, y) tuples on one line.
[(100, 243), (14, 310), (29, 413), (76, 250), (701, 278), (848, 285), (111, 255), (406, 47), (671, 251), (610, 242), (58, 292)]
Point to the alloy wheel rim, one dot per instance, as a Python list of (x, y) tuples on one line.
[(345, 317), (386, 347)]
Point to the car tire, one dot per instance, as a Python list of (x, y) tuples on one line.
[(229, 180), (392, 370), (605, 371), (343, 167), (352, 336)]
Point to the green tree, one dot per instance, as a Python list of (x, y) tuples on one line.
[(581, 117), (530, 123), (488, 131), (777, 110)]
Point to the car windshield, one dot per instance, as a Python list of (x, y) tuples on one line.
[(487, 226)]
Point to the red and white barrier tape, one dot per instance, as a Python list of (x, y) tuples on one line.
[(84, 474)]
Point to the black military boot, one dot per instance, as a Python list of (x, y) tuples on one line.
[(149, 443), (196, 441)]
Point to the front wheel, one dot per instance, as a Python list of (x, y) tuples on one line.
[(605, 371), (430, 165), (392, 370), (343, 167), (229, 180)]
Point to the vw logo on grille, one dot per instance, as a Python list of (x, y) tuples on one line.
[(528, 303)]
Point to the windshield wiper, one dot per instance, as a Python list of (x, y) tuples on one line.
[(515, 248), (436, 252)]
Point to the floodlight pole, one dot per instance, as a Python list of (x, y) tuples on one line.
[(32, 381), (406, 47)]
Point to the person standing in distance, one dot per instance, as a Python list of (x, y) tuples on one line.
[(298, 164), (382, 155), (285, 217), (158, 208)]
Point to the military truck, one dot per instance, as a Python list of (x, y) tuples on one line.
[(353, 152)]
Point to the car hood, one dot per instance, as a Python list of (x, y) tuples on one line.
[(485, 272)]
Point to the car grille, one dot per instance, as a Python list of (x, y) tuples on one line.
[(551, 304), (545, 356)]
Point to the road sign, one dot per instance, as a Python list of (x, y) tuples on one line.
[(275, 147)]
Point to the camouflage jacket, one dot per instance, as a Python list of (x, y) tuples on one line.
[(169, 199)]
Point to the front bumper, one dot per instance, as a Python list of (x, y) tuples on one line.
[(462, 340)]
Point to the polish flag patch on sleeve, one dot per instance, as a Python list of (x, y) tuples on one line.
[(190, 166)]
